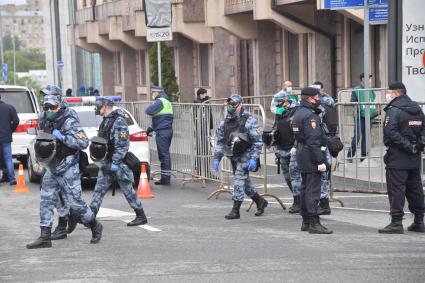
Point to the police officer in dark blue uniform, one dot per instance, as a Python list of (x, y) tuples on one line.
[(311, 147), (161, 111), (404, 135)]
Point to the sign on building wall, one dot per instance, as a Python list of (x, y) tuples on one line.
[(352, 4), (413, 48), (378, 16), (158, 17)]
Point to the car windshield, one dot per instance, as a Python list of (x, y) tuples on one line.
[(89, 119), (21, 100)]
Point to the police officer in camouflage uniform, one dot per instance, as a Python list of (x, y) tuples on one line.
[(62, 203), (114, 129), (62, 172), (311, 146), (284, 112), (238, 138), (404, 136)]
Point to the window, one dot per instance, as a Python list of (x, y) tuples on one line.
[(293, 59), (141, 67), (204, 65), (21, 100), (117, 67)]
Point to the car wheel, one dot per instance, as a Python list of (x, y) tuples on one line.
[(31, 174)]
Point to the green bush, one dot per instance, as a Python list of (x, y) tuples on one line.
[(169, 80)]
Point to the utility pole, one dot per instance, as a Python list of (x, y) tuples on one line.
[(1, 37), (366, 71), (71, 7), (395, 30), (159, 64)]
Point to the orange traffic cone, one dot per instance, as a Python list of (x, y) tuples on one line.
[(144, 189), (20, 186)]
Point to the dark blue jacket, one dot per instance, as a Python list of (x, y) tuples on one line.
[(310, 137), (163, 121), (9, 121), (404, 127)]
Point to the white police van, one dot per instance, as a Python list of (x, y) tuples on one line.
[(25, 102), (85, 108)]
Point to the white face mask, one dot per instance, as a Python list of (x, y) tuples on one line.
[(388, 97), (289, 89)]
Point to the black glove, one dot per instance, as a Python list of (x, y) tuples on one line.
[(149, 132)]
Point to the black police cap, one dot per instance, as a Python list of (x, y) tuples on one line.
[(396, 86), (309, 91)]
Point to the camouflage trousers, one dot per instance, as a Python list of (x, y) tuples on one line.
[(324, 189), (62, 205), (69, 185), (296, 177), (285, 158), (125, 180), (242, 183), (295, 174)]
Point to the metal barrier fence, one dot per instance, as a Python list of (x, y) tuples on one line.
[(193, 143)]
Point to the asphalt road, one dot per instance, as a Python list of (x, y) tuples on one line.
[(188, 240)]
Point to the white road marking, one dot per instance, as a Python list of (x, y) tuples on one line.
[(114, 213), (146, 227), (107, 212)]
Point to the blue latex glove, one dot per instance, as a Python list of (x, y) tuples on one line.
[(114, 168), (216, 166), (58, 135), (252, 164)]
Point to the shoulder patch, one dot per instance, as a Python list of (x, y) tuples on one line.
[(123, 135), (81, 135), (313, 123)]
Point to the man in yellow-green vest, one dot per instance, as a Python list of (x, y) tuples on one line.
[(359, 95), (161, 112)]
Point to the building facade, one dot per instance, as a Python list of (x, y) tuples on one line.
[(232, 46), (28, 26)]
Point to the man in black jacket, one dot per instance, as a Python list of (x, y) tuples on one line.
[(311, 147), (9, 121), (404, 135)]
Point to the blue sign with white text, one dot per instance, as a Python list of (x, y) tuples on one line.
[(378, 16), (4, 72), (353, 4), (343, 4), (383, 3)]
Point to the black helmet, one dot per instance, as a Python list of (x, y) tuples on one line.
[(45, 148), (98, 150), (267, 136), (240, 144)]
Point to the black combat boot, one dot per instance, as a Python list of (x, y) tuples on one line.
[(316, 227), (96, 231), (418, 224), (260, 202), (72, 223), (305, 226), (324, 208), (60, 231), (395, 227), (43, 241), (295, 208), (140, 218), (234, 214)]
